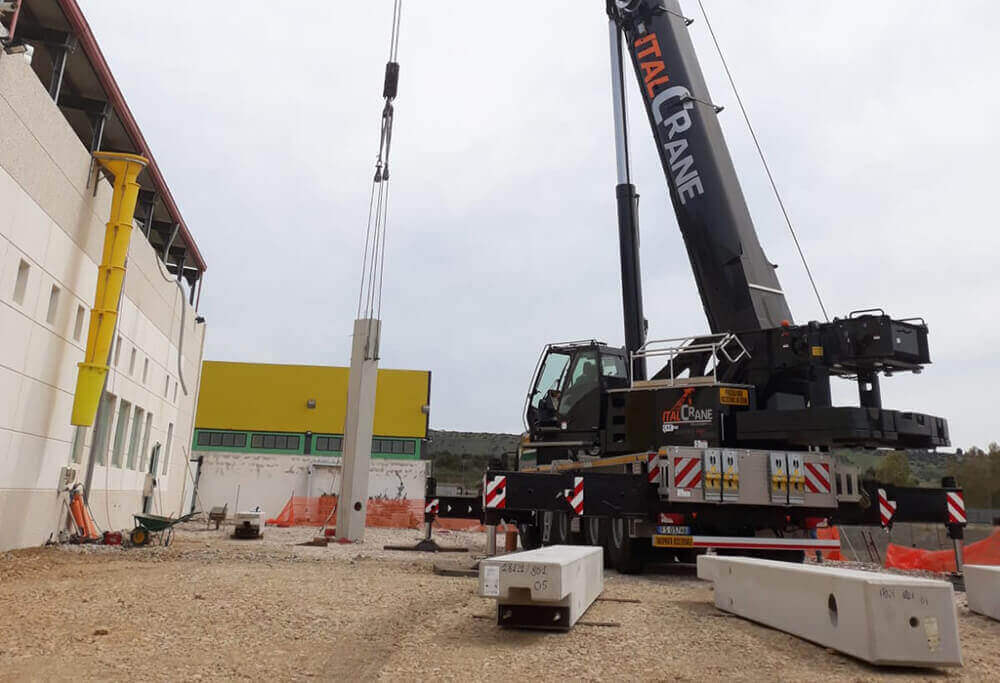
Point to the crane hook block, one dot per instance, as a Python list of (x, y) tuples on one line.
[(391, 80)]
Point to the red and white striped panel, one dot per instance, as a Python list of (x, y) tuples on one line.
[(432, 507), (653, 467), (687, 471), (496, 493), (956, 507), (576, 496), (818, 478), (886, 507)]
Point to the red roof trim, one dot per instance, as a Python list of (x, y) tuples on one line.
[(80, 27)]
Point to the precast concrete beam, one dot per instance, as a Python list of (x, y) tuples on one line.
[(548, 588), (982, 588), (352, 506), (884, 619)]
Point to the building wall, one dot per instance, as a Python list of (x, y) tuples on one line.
[(395, 495), (52, 226), (266, 397)]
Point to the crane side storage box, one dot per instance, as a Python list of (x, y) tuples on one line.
[(883, 619), (548, 588), (982, 588)]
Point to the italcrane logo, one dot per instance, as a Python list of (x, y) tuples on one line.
[(684, 412), (670, 111)]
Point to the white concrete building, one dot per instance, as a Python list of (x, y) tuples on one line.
[(54, 111)]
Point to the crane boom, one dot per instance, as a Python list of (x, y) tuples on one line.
[(738, 286)]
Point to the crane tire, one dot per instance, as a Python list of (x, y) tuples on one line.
[(624, 552)]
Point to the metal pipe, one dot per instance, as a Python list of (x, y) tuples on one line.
[(13, 20), (618, 104), (491, 540), (959, 561), (58, 69)]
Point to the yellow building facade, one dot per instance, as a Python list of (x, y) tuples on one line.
[(301, 409)]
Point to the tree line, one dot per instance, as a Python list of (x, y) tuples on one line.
[(976, 470)]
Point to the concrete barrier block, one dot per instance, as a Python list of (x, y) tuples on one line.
[(982, 588), (548, 588), (883, 619)]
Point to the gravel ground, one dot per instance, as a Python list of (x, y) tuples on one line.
[(213, 608)]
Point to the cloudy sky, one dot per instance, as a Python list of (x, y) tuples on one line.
[(879, 120)]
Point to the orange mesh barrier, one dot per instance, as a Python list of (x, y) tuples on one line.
[(314, 510), (986, 551), (829, 533)]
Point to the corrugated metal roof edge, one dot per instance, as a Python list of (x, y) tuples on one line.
[(74, 15)]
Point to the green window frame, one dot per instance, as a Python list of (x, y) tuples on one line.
[(217, 440)]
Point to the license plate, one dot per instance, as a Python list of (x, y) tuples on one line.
[(665, 541), (672, 530)]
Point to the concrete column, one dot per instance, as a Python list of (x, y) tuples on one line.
[(353, 502)]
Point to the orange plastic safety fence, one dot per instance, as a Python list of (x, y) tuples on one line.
[(314, 511), (829, 533), (986, 551)]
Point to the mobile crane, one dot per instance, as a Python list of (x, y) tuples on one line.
[(727, 445)]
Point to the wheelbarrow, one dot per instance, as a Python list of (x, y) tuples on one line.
[(163, 527)]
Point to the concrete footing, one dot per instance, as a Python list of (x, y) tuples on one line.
[(982, 588), (548, 588), (881, 618)]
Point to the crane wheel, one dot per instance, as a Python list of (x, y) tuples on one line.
[(624, 552), (531, 535), (595, 532), (559, 527)]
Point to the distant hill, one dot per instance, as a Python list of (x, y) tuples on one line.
[(460, 458), (927, 467)]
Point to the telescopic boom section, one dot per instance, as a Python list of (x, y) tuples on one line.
[(627, 201), (738, 286)]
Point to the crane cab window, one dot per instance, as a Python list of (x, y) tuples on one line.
[(582, 380), (550, 376), (613, 366)]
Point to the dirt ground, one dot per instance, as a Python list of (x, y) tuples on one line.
[(211, 608)]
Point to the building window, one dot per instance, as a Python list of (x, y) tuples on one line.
[(221, 439), (393, 447), (118, 448), (330, 444), (145, 370), (166, 387), (76, 451), (21, 284), (275, 442), (78, 325), (131, 362), (167, 448), (133, 442), (175, 392), (99, 444), (53, 309), (118, 352), (145, 443)]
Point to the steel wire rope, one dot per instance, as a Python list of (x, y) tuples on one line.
[(763, 160), (373, 256)]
